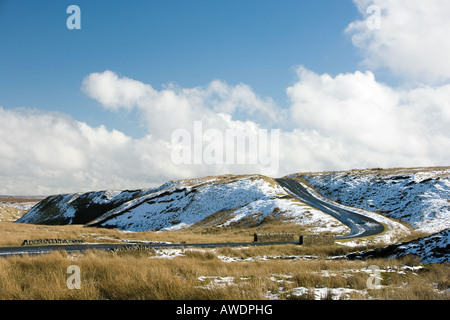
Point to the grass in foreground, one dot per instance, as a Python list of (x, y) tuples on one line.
[(269, 272), (254, 273)]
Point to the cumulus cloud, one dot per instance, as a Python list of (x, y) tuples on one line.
[(114, 92), (411, 41), (342, 122), (174, 107), (347, 121), (352, 120), (208, 115), (53, 153)]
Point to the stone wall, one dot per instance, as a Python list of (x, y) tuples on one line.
[(50, 241), (316, 240)]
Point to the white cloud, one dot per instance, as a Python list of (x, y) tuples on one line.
[(346, 105), (351, 120), (174, 107), (412, 39), (114, 92), (342, 122), (241, 99), (51, 153)]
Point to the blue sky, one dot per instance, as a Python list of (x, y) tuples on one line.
[(189, 43), (97, 108)]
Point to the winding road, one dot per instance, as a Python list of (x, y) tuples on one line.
[(360, 226)]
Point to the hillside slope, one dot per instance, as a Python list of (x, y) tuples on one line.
[(212, 201), (419, 196), (12, 208), (434, 248)]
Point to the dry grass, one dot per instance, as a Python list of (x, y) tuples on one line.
[(8, 213), (13, 234), (9, 210), (109, 276), (200, 274)]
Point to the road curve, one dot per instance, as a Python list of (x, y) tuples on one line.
[(360, 226)]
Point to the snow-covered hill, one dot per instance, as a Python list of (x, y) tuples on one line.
[(218, 201), (434, 248), (419, 196)]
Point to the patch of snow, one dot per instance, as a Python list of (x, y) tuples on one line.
[(431, 249), (434, 248), (229, 259), (168, 253), (304, 215), (327, 293), (214, 282), (18, 205)]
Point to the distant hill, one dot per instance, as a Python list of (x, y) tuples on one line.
[(14, 207), (211, 201), (419, 196)]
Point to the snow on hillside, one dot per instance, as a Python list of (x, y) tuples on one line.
[(74, 208), (419, 196), (81, 208), (218, 201), (222, 201), (431, 249), (434, 248)]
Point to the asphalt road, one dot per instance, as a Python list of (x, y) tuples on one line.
[(70, 248), (360, 226)]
